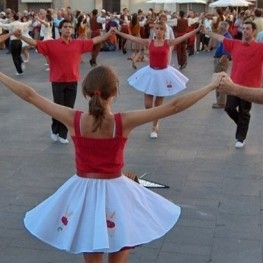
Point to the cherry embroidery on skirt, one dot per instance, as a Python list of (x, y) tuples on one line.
[(110, 224), (64, 220)]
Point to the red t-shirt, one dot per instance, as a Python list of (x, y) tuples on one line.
[(64, 58), (247, 62)]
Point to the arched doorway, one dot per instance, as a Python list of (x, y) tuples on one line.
[(112, 5)]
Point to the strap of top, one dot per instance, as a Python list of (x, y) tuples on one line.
[(118, 122), (77, 122)]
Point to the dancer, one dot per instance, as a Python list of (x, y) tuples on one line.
[(64, 56), (47, 31), (99, 210), (159, 79), (15, 43), (247, 62)]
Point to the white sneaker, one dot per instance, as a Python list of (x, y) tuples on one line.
[(153, 135), (62, 140), (239, 144), (54, 137), (19, 74), (47, 69)]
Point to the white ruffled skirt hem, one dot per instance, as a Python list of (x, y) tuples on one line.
[(158, 82), (90, 215)]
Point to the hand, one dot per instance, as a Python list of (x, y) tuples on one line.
[(113, 30), (226, 84), (17, 33), (217, 78)]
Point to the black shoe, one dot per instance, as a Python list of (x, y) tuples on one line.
[(124, 51)]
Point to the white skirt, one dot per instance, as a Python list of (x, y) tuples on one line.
[(161, 82), (91, 215)]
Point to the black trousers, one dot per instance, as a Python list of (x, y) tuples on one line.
[(64, 93), (239, 111), (16, 49)]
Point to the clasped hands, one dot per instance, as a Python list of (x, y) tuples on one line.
[(222, 82)]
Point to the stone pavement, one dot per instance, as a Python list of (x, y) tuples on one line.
[(218, 187)]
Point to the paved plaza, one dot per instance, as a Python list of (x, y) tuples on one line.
[(218, 187)]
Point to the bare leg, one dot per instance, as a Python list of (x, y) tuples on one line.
[(93, 257), (119, 257), (25, 53), (158, 102), (148, 101), (135, 57)]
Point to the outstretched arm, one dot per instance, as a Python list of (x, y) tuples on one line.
[(227, 86), (180, 39), (28, 94), (102, 38), (5, 36), (138, 40), (132, 119), (215, 36), (29, 41), (44, 22)]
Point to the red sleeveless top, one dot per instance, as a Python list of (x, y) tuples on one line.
[(98, 155), (159, 56)]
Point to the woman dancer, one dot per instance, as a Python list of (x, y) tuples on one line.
[(159, 79), (99, 210), (15, 43), (48, 25)]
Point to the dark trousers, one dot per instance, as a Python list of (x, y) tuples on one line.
[(64, 93), (96, 48), (181, 53), (239, 111), (16, 49)]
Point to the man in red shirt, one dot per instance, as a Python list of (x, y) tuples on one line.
[(64, 56), (247, 62)]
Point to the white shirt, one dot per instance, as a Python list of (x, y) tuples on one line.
[(15, 25)]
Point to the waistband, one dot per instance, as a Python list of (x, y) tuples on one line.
[(157, 68), (98, 175)]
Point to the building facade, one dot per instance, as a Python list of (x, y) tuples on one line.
[(110, 5)]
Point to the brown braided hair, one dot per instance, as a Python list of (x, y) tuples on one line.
[(100, 84)]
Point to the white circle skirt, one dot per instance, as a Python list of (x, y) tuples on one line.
[(158, 82), (101, 215)]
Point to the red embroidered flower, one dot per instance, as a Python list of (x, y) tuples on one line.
[(64, 220), (110, 224)]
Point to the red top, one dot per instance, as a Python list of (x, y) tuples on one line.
[(64, 58), (94, 155), (247, 62), (159, 56)]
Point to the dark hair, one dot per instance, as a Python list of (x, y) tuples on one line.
[(64, 21), (49, 17), (181, 13), (100, 84), (258, 12), (134, 20), (253, 25), (94, 12)]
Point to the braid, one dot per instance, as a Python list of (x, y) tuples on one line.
[(97, 110)]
